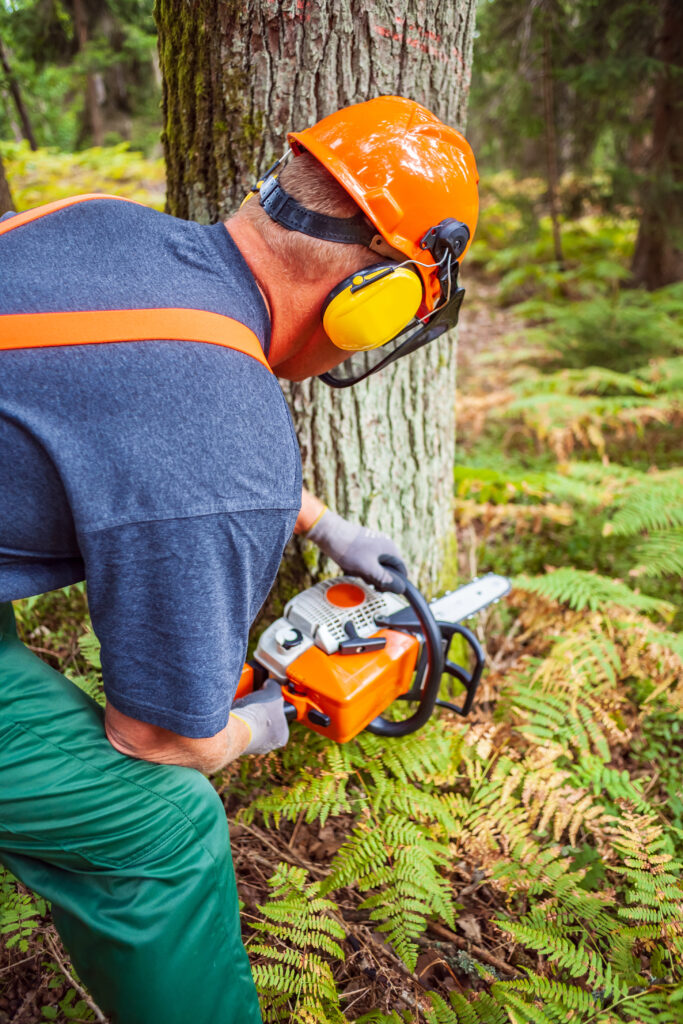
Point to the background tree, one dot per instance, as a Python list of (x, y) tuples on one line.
[(605, 81), (5, 194), (85, 69), (237, 77), (12, 86), (658, 258)]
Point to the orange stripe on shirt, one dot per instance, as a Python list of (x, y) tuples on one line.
[(59, 204), (47, 330)]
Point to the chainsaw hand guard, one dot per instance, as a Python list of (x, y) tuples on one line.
[(430, 668)]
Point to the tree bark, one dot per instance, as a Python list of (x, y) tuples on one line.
[(237, 76), (658, 257), (92, 105), (551, 140), (13, 85), (6, 203)]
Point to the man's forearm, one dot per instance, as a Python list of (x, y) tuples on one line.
[(312, 509), (161, 746)]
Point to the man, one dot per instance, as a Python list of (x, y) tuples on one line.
[(166, 473)]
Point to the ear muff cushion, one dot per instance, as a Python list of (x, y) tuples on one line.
[(368, 317)]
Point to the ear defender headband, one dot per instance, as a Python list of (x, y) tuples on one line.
[(379, 304)]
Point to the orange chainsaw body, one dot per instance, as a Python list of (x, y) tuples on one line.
[(351, 688), (246, 683), (344, 652)]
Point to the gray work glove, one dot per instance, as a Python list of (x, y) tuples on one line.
[(356, 549), (263, 711)]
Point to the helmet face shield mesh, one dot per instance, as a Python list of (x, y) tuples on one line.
[(360, 365), (363, 364)]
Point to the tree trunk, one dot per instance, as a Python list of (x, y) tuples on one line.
[(6, 203), (658, 257), (13, 85), (92, 103), (237, 77), (551, 140)]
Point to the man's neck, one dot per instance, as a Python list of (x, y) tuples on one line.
[(293, 303)]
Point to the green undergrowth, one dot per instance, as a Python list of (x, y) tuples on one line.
[(46, 175)]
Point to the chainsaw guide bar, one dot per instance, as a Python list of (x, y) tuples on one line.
[(458, 605)]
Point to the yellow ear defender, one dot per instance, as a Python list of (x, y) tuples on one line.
[(372, 306), (254, 192)]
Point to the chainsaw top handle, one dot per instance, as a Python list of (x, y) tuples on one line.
[(429, 681)]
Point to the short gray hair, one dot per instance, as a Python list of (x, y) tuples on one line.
[(310, 184)]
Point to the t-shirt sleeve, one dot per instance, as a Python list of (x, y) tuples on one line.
[(172, 602)]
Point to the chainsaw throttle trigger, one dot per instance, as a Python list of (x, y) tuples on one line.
[(357, 644), (319, 718)]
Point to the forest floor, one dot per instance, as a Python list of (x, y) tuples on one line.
[(39, 982)]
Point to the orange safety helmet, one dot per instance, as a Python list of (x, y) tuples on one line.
[(405, 169)]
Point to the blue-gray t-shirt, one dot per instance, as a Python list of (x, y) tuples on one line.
[(165, 473)]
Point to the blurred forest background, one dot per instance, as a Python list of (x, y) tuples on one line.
[(536, 875)]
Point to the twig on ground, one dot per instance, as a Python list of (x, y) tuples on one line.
[(470, 947), (284, 854), (295, 830), (54, 949), (17, 963)]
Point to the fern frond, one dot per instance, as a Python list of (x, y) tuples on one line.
[(568, 997), (295, 983), (402, 860), (654, 879), (654, 504), (661, 554), (664, 375), (482, 1010), (581, 589), (20, 912), (569, 954)]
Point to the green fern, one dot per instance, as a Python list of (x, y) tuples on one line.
[(653, 880), (20, 912), (580, 589), (662, 553), (339, 782), (654, 504), (567, 949), (402, 861), (558, 720), (294, 981), (482, 1010), (663, 375)]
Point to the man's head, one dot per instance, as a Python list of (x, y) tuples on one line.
[(382, 184)]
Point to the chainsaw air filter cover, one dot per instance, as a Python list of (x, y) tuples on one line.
[(324, 611)]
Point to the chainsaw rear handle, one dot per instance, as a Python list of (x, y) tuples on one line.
[(429, 682)]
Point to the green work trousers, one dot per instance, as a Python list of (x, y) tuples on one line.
[(134, 857)]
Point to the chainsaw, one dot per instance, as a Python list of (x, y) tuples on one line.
[(344, 651)]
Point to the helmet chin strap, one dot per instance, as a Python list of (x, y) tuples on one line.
[(285, 210)]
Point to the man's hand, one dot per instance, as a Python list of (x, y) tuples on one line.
[(263, 712), (354, 548)]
